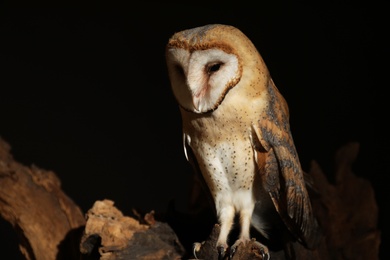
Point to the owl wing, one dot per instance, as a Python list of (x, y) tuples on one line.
[(280, 169)]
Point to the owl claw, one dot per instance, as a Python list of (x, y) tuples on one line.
[(263, 251), (233, 248), (232, 251), (265, 255), (221, 252), (257, 245), (196, 248)]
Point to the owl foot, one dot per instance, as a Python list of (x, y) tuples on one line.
[(196, 249), (263, 250), (233, 248), (255, 246)]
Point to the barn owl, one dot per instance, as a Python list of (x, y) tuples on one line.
[(236, 129)]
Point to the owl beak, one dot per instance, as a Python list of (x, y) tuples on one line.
[(196, 103), (196, 100)]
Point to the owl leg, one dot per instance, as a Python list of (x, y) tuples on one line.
[(226, 219), (245, 223)]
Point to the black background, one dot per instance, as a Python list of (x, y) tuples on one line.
[(84, 92)]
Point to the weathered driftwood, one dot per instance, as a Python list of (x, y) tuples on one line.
[(51, 226), (123, 237), (45, 218)]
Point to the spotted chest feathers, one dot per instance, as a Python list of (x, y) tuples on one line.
[(222, 145)]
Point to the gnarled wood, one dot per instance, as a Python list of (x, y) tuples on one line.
[(123, 237), (51, 226), (44, 217)]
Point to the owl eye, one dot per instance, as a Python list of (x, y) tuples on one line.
[(179, 70), (213, 67)]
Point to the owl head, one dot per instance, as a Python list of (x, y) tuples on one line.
[(205, 63)]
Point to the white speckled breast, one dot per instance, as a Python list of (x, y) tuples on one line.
[(221, 143)]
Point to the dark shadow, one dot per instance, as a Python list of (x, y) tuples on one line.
[(69, 248)]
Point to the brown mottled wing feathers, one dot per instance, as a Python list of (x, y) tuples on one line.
[(280, 168)]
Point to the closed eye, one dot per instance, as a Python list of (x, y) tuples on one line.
[(180, 71), (213, 67)]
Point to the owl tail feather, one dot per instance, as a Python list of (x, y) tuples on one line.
[(313, 236)]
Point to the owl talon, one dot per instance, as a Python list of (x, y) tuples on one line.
[(263, 251), (231, 253), (196, 248), (265, 255), (233, 248), (221, 252)]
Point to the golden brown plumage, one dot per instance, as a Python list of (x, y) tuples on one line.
[(236, 125)]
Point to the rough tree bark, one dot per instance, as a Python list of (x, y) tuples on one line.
[(51, 226)]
